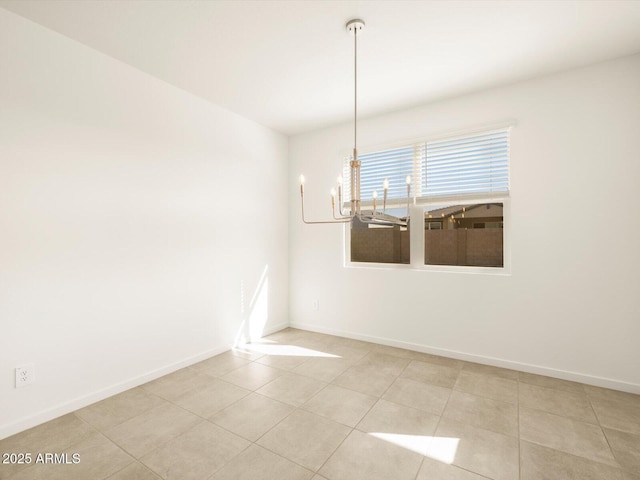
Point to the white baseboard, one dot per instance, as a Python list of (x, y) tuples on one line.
[(275, 328), (80, 402), (496, 362)]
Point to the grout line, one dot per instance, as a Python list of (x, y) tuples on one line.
[(471, 471), (577, 457), (595, 414), (114, 443), (206, 419), (564, 392), (334, 341), (559, 389), (443, 410), (488, 377), (564, 417), (296, 408), (573, 454), (230, 460), (420, 467), (139, 463), (384, 393), (252, 443), (293, 461), (352, 429), (118, 471), (278, 455), (606, 439), (347, 426), (434, 432), (380, 397)]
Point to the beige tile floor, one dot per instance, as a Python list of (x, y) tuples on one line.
[(301, 405)]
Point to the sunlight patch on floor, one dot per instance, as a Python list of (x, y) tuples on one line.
[(442, 449), (286, 350)]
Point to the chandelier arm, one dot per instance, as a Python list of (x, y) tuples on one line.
[(340, 205), (363, 217), (339, 217), (309, 222), (381, 221), (379, 216)]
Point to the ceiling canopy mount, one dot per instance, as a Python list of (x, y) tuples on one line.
[(355, 26)]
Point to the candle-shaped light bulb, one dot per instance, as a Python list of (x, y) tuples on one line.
[(385, 190), (408, 180), (333, 192), (301, 179), (375, 194), (339, 180)]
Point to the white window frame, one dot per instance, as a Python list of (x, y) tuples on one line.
[(416, 216), (416, 233), (505, 200)]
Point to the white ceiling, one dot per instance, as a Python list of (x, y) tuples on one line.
[(288, 64)]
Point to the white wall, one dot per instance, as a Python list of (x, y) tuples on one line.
[(570, 307), (130, 213)]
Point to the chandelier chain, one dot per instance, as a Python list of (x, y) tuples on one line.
[(355, 97)]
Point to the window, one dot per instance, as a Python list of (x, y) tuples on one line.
[(471, 235), (379, 244), (374, 243), (461, 186)]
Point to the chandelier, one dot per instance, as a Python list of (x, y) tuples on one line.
[(373, 216)]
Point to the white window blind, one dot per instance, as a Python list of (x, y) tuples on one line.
[(393, 164), (470, 164)]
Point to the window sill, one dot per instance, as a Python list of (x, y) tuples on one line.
[(499, 271)]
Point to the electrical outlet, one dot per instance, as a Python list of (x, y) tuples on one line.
[(316, 304), (25, 374)]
